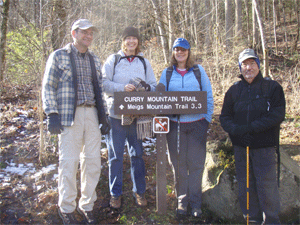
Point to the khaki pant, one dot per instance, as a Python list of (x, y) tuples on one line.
[(80, 142)]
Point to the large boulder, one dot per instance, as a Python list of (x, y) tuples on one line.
[(220, 188)]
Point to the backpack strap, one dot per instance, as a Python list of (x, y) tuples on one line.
[(196, 71), (168, 75), (266, 93), (118, 58), (197, 74)]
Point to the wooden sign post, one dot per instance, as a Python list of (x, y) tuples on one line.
[(160, 103)]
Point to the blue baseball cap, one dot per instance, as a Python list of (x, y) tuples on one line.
[(181, 42)]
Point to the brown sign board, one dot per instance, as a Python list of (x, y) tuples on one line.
[(160, 102)]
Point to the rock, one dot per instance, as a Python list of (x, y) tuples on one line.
[(220, 190)]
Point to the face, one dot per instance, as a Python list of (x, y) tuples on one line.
[(181, 54), (131, 44), (83, 38), (249, 69)]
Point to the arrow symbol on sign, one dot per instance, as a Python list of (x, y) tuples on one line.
[(121, 107)]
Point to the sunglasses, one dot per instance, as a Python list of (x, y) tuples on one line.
[(180, 49)]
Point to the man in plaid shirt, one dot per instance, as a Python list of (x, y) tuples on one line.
[(72, 100)]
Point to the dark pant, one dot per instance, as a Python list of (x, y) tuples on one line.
[(264, 203), (115, 143), (189, 161)]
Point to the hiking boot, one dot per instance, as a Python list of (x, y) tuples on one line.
[(181, 211), (87, 215), (67, 218), (196, 212), (140, 200), (115, 202)]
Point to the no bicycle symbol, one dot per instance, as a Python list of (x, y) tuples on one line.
[(161, 125)]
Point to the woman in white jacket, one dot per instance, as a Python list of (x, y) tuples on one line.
[(122, 72)]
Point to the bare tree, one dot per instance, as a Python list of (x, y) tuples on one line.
[(274, 24), (207, 25), (254, 28), (160, 25), (263, 41), (238, 17), (297, 5), (228, 23), (59, 16), (3, 37), (171, 21), (248, 18)]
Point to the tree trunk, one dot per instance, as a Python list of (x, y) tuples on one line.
[(228, 24), (207, 45), (3, 38), (238, 17), (171, 19), (160, 29), (59, 24), (263, 41), (294, 46), (248, 18), (274, 24), (254, 28)]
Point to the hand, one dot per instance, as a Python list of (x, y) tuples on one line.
[(247, 139), (54, 124), (145, 85), (241, 130), (129, 87), (105, 126)]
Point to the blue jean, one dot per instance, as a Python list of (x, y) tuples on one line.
[(115, 141)]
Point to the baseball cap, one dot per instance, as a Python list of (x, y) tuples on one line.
[(181, 42), (83, 24), (247, 54)]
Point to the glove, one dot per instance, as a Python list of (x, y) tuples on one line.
[(241, 130), (247, 139), (145, 85), (105, 126), (54, 124)]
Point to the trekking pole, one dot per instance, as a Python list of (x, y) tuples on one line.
[(178, 151), (247, 154)]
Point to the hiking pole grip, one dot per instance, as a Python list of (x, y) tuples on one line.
[(247, 168)]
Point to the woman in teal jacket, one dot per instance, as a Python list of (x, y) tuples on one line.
[(187, 155)]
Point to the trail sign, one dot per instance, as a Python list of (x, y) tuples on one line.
[(161, 125), (160, 102)]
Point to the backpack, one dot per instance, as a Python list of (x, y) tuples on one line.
[(196, 71), (265, 90), (118, 58)]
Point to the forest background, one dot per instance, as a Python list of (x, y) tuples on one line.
[(218, 31)]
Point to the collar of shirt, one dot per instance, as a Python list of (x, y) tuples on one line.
[(74, 49), (130, 59), (182, 72)]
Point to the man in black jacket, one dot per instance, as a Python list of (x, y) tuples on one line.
[(252, 111)]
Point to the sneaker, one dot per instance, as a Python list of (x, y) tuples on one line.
[(115, 202), (140, 200), (196, 212), (181, 211), (87, 215), (67, 218)]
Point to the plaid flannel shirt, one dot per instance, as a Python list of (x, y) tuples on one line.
[(58, 93)]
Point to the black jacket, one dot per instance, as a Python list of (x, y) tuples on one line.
[(262, 111)]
